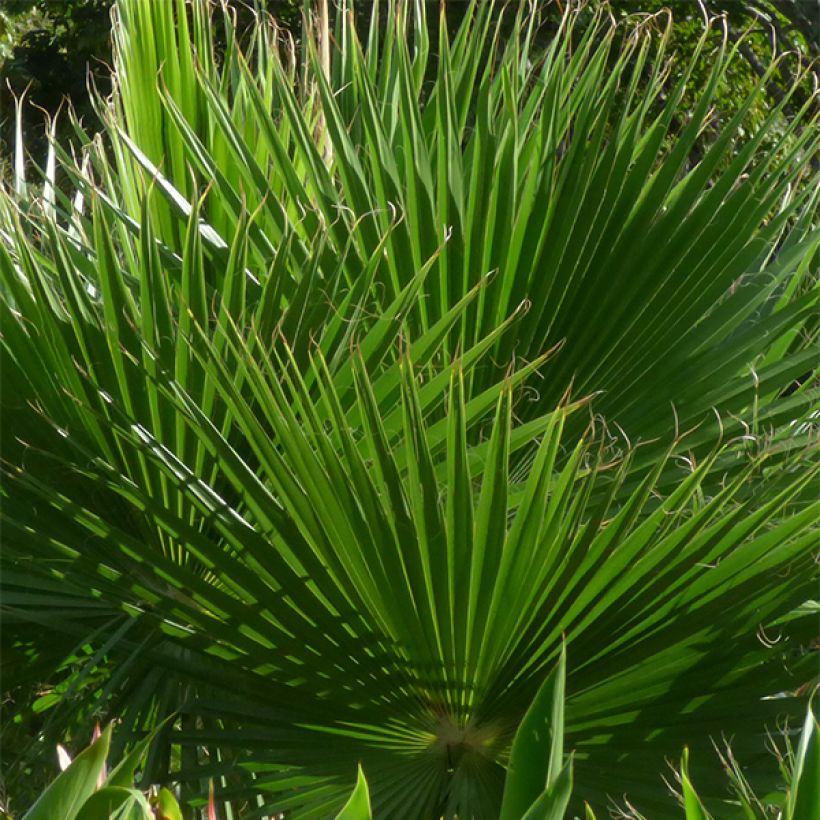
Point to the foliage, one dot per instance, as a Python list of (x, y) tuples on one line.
[(52, 50), (797, 799), (313, 390), (85, 790), (537, 786), (52, 45)]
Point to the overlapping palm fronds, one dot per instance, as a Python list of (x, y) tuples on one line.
[(296, 427)]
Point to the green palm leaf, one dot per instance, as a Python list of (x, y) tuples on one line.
[(271, 454)]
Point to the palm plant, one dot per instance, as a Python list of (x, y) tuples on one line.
[(311, 370)]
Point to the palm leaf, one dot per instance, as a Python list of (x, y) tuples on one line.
[(272, 458)]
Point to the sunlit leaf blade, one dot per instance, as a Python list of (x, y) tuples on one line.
[(804, 790), (68, 793), (692, 805), (167, 806), (536, 757), (358, 806)]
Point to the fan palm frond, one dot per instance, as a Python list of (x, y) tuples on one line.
[(273, 454)]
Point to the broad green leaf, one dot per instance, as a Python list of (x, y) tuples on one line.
[(116, 803), (553, 802), (124, 772), (804, 790), (358, 806), (536, 760), (67, 794), (167, 806)]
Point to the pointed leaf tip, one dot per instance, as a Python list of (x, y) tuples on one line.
[(358, 805), (692, 804)]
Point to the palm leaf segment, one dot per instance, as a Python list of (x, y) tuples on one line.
[(260, 422)]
